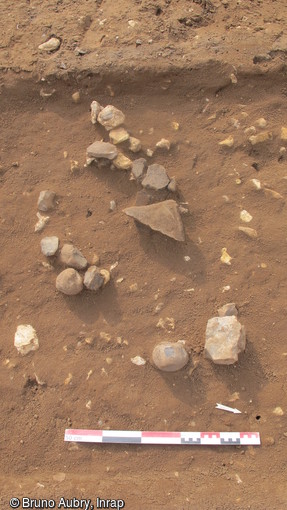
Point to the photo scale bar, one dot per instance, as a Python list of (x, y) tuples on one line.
[(168, 438)]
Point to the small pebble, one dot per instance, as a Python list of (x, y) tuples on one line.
[(122, 162), (273, 194), (149, 153), (71, 256), (69, 282), (175, 126), (278, 411), (250, 232), (76, 97), (95, 108), (250, 131), (138, 168), (245, 216), (26, 339), (46, 200), (228, 142), (172, 186), (112, 205), (135, 144), (261, 123), (110, 117), (163, 144), (169, 356), (42, 221), (118, 135), (49, 245), (93, 279), (138, 360), (106, 276), (261, 137), (50, 45), (283, 134), (225, 257), (256, 184), (233, 78)]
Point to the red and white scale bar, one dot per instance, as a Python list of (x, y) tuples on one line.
[(144, 437)]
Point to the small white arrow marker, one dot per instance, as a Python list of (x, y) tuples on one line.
[(226, 408)]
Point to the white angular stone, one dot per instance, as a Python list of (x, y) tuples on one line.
[(103, 150), (49, 245), (163, 217), (228, 142), (225, 339), (26, 339), (42, 221), (95, 108), (110, 117), (69, 282), (46, 200), (71, 256), (93, 280), (156, 177), (169, 356), (163, 144), (245, 216), (50, 45)]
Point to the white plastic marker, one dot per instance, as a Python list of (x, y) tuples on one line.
[(145, 437), (226, 408)]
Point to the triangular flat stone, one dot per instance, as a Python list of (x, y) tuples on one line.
[(163, 217)]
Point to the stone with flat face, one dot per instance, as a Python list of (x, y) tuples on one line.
[(156, 177), (162, 217), (225, 339), (72, 257), (138, 168), (69, 282), (118, 135), (93, 280), (100, 150)]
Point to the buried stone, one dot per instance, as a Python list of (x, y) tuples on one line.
[(225, 339), (162, 217)]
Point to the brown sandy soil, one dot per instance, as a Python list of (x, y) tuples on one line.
[(182, 76)]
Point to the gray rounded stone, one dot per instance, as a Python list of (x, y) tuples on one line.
[(169, 356), (156, 177), (71, 256), (69, 282), (93, 280), (49, 245)]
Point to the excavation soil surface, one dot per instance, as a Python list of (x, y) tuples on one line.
[(195, 73)]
